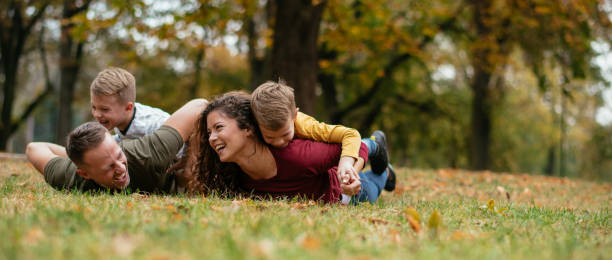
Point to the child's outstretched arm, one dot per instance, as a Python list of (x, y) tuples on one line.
[(309, 128)]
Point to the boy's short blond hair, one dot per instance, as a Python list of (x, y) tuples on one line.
[(273, 103), (115, 81)]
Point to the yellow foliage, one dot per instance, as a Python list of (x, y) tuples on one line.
[(542, 10)]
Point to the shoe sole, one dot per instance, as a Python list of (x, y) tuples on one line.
[(381, 140)]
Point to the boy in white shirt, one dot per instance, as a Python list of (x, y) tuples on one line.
[(113, 104)]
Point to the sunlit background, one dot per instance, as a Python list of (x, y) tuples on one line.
[(411, 68)]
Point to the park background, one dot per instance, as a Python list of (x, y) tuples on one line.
[(504, 85)]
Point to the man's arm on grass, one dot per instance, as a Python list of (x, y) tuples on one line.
[(40, 153), (183, 120)]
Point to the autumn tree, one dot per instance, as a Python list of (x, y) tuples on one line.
[(71, 54), (17, 22), (563, 30), (295, 44)]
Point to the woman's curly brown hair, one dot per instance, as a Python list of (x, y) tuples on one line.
[(202, 168)]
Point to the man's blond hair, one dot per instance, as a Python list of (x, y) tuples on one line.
[(273, 103), (115, 81)]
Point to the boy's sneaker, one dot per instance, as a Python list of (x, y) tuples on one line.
[(380, 159), (390, 184)]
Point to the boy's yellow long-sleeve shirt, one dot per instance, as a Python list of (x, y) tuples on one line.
[(306, 127)]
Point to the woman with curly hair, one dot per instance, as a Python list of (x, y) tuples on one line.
[(228, 156)]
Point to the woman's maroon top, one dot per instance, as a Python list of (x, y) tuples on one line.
[(304, 168)]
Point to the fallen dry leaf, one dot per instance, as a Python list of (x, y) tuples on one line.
[(503, 192), (410, 211), (263, 248), (34, 235), (414, 224), (460, 235), (140, 196), (170, 208), (324, 210), (395, 236), (205, 222), (76, 208), (378, 221), (310, 243), (526, 191), (491, 205), (178, 217), (298, 206), (229, 209), (399, 190), (124, 245), (309, 221), (501, 211), (435, 220)]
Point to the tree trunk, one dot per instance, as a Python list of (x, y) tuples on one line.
[(7, 106), (14, 30), (480, 121), (71, 53), (255, 64), (492, 38), (12, 43), (69, 69), (294, 51), (197, 79), (550, 161)]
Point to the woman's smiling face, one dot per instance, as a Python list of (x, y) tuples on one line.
[(225, 137)]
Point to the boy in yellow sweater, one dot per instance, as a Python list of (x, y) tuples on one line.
[(273, 105)]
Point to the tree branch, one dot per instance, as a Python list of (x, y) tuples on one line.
[(428, 106), (370, 117), (41, 97), (361, 100), (72, 12), (43, 57), (36, 17), (389, 69)]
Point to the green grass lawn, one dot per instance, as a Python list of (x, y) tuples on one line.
[(483, 216)]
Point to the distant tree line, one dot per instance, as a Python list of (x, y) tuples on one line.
[(506, 85)]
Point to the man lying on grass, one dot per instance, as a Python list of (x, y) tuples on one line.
[(93, 160)]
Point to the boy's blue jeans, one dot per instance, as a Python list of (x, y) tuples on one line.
[(371, 184)]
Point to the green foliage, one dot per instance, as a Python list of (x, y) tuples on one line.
[(406, 67), (599, 151)]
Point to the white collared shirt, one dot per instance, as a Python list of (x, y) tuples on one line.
[(146, 120)]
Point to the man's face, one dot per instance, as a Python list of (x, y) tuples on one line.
[(106, 165), (279, 138), (110, 111)]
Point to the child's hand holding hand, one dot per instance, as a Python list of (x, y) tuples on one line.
[(346, 170), (351, 189)]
